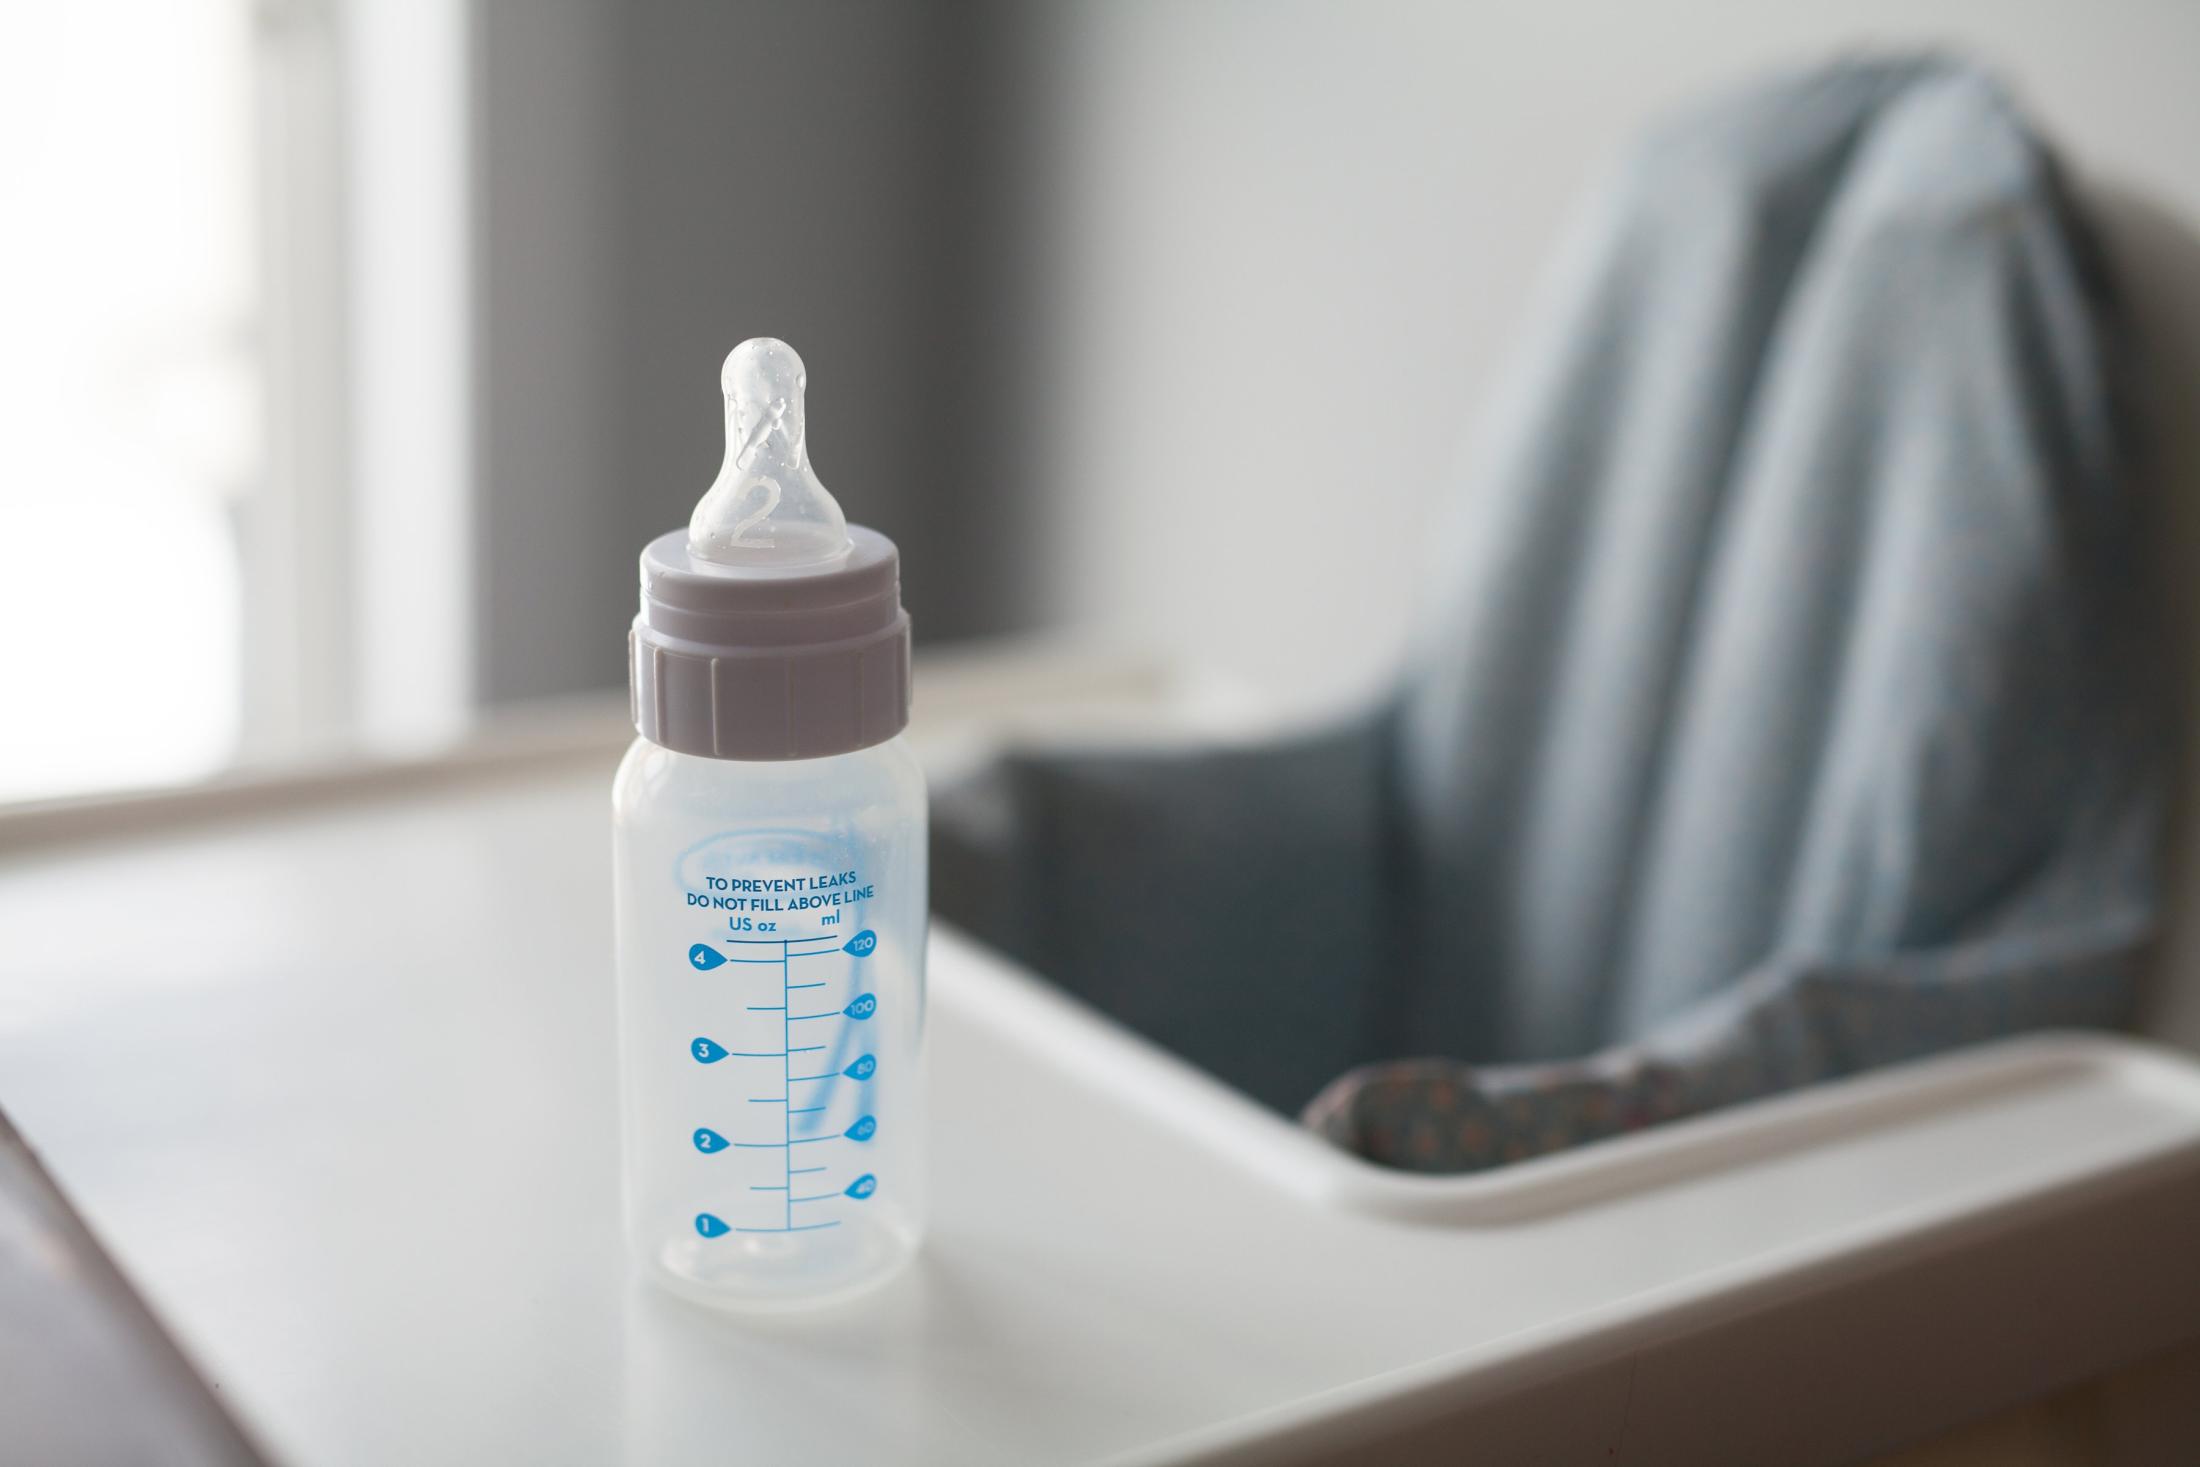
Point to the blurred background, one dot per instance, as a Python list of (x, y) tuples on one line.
[(366, 341)]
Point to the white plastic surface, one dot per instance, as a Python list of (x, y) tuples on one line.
[(335, 1078)]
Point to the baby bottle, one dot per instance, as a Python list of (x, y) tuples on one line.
[(769, 832)]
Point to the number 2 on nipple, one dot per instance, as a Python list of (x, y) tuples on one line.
[(756, 516)]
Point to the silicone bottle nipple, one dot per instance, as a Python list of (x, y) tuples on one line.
[(766, 509)]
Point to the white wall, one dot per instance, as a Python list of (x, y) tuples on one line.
[(1286, 245)]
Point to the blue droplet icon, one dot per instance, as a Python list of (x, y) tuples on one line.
[(861, 1187), (864, 1006), (862, 1130), (706, 1052), (707, 1140), (862, 944), (862, 1069), (703, 957), (710, 1227)]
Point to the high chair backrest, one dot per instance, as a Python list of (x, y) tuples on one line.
[(1794, 609)]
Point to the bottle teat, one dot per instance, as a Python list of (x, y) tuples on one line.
[(766, 509)]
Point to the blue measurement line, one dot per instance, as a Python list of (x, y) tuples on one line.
[(805, 1079), (786, 1084), (769, 1187), (798, 1171), (805, 1048), (819, 984), (773, 961), (792, 1228), (803, 1110), (828, 1014), (759, 1145), (754, 1054), (767, 1100)]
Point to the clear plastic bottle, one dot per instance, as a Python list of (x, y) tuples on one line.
[(769, 832)]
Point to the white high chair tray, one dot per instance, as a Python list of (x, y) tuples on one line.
[(328, 1066)]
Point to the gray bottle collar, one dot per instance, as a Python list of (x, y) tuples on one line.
[(770, 664)]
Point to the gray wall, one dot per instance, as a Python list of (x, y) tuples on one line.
[(658, 181)]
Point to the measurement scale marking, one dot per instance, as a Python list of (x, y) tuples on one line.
[(785, 1055), (786, 1086)]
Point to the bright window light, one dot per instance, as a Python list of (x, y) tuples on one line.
[(131, 387)]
